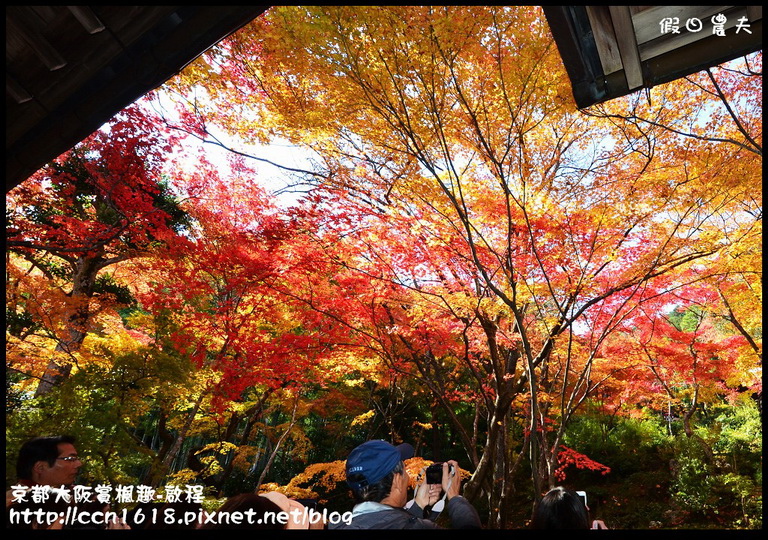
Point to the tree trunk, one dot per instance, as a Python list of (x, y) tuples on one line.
[(253, 414), (83, 282), (165, 465), (277, 446)]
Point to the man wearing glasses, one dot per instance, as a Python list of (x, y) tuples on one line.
[(49, 461), (54, 462)]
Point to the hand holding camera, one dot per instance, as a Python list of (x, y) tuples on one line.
[(426, 494), (435, 474), (445, 475)]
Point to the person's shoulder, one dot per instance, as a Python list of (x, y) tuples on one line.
[(393, 518), (458, 501), (340, 526), (462, 514)]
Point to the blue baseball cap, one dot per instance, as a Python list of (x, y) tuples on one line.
[(374, 460)]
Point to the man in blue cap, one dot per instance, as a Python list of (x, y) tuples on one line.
[(376, 473)]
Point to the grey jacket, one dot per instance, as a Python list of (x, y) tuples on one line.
[(372, 515)]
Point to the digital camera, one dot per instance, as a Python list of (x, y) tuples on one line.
[(435, 473)]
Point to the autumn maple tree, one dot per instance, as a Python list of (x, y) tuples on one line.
[(230, 289), (473, 262), (102, 202), (554, 225), (685, 355)]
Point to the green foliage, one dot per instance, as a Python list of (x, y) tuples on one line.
[(739, 429), (686, 320), (724, 489), (624, 444), (18, 322), (663, 481), (739, 450), (106, 284), (693, 481), (14, 398), (103, 407), (179, 221)]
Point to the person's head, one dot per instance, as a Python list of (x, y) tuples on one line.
[(375, 472), (297, 513), (262, 510), (560, 509), (51, 461)]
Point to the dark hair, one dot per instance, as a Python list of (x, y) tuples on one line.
[(560, 509), (242, 503), (378, 491), (39, 449)]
